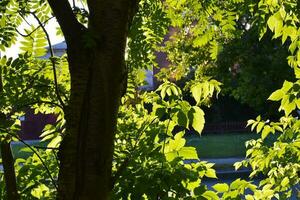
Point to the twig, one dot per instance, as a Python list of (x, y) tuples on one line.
[(24, 18), (51, 148), (36, 28), (36, 153)]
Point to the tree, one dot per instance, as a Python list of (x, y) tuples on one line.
[(203, 26), (256, 66), (96, 47), (26, 84), (98, 74), (98, 79), (8, 161)]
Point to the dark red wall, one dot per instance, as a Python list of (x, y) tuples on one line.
[(32, 126)]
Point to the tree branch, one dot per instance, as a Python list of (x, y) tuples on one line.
[(66, 19), (29, 34), (38, 155), (51, 59), (24, 18), (132, 11)]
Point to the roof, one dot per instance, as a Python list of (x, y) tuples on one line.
[(59, 46)]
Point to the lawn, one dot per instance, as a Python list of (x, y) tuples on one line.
[(208, 146), (18, 146), (222, 145)]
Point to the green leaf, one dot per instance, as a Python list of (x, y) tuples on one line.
[(249, 197), (221, 187), (182, 119), (211, 173), (214, 50), (265, 132), (169, 91), (191, 185), (210, 195), (297, 72), (196, 92), (275, 24), (259, 126), (253, 125), (196, 117), (200, 190), (175, 90), (26, 149), (171, 156), (291, 32), (297, 102), (237, 165), (287, 85), (178, 142), (159, 111), (249, 122), (188, 153), (41, 191), (55, 142), (236, 184), (285, 182), (276, 96), (258, 118), (163, 92)]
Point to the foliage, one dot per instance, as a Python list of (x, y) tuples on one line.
[(256, 66), (28, 83), (150, 146), (219, 39), (199, 30), (279, 162), (149, 26)]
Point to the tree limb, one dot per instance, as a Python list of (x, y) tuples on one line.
[(29, 34), (51, 59), (66, 19), (39, 157)]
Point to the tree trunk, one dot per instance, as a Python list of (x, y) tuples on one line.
[(8, 160), (9, 171), (96, 62)]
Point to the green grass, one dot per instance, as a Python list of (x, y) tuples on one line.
[(208, 146), (18, 146), (221, 145)]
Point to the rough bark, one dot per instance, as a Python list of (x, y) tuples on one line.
[(97, 71), (9, 171)]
